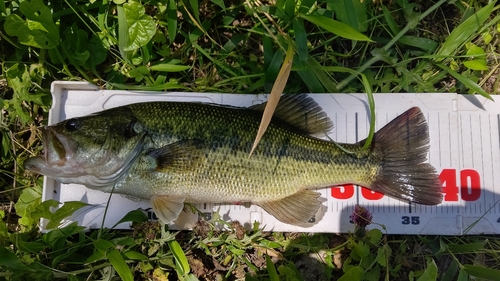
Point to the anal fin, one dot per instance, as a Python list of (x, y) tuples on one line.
[(295, 209), (167, 208)]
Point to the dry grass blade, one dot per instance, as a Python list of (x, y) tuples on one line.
[(274, 96)]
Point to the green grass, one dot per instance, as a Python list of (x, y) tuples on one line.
[(235, 47)]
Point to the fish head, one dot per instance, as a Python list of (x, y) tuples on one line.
[(94, 150)]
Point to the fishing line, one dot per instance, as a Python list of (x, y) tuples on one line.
[(106, 211)]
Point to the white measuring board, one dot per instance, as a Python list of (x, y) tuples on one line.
[(464, 148)]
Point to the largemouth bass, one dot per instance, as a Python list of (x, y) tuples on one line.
[(176, 152)]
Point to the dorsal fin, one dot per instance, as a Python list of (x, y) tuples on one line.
[(302, 112)]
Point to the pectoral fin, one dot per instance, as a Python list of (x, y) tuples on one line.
[(167, 208), (179, 154), (295, 209)]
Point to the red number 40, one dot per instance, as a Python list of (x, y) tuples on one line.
[(470, 185)]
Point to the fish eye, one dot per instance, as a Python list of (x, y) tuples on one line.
[(72, 124)]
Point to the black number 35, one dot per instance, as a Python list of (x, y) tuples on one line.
[(410, 220)]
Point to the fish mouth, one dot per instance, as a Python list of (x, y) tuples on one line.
[(56, 147)]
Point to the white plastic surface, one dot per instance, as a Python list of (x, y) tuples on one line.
[(464, 148)]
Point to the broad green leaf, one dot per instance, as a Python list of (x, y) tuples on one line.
[(133, 216), (141, 27), (56, 237), (43, 210), (462, 33), (4, 230), (375, 235), (32, 247), (219, 3), (119, 264), (466, 81), (172, 20), (476, 64), (180, 257), (103, 245), (382, 255), (359, 250), (75, 43), (26, 204), (167, 67), (462, 275), (355, 273), (99, 50), (133, 255), (482, 272), (55, 218), (430, 272), (336, 27), (450, 272), (67, 209), (38, 29), (19, 79), (467, 248), (10, 260), (419, 42), (269, 244)]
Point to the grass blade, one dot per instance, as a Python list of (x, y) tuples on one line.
[(300, 38), (345, 12), (336, 27), (467, 248), (122, 31), (430, 272), (393, 25), (461, 34), (180, 257), (274, 97), (467, 82), (311, 80), (482, 272), (451, 272), (319, 72), (119, 264), (271, 269), (172, 20), (168, 67)]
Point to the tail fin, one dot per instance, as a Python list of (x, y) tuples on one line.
[(403, 145)]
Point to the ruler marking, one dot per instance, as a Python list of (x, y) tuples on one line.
[(492, 166), (356, 125), (498, 127), (449, 136), (439, 140), (471, 142), (483, 156)]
